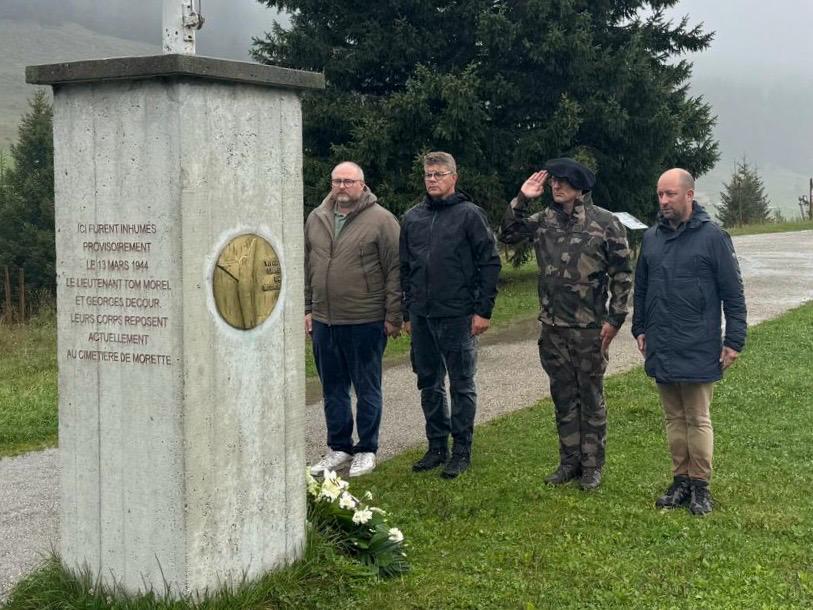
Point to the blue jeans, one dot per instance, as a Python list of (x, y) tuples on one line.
[(441, 346), (345, 354)]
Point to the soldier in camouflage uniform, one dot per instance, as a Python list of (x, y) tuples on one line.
[(582, 253)]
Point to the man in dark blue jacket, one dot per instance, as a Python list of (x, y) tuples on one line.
[(449, 272), (686, 268)]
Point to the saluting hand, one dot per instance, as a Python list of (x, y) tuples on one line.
[(534, 186)]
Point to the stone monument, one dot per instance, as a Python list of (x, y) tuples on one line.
[(180, 304)]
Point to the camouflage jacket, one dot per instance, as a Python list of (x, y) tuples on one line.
[(581, 257)]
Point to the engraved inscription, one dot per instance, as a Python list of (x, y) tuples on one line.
[(118, 300), (247, 281)]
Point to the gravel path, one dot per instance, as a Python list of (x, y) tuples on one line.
[(778, 274)]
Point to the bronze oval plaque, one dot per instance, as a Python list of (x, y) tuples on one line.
[(247, 281)]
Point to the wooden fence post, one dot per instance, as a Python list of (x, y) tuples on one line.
[(9, 313), (22, 295)]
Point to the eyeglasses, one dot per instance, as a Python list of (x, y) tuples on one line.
[(435, 175), (343, 182)]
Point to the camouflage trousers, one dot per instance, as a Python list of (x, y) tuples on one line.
[(575, 364)]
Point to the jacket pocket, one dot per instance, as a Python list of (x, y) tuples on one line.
[(686, 308), (371, 267)]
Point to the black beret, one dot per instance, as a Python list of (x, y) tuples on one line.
[(574, 172)]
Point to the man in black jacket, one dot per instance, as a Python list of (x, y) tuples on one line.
[(686, 268), (449, 272)]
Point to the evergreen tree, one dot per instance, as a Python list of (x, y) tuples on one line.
[(502, 86), (27, 200), (744, 200)]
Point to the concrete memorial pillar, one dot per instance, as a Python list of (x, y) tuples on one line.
[(180, 303)]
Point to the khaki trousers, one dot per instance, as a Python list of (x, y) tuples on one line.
[(688, 427)]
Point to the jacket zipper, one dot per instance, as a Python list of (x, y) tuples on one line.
[(429, 258), (333, 240)]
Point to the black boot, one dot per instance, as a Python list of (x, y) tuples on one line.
[(591, 478), (677, 495), (434, 457), (457, 464), (700, 503), (563, 474)]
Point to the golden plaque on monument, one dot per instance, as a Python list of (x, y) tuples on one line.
[(247, 281)]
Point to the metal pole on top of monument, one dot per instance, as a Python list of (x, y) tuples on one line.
[(180, 292), (182, 18)]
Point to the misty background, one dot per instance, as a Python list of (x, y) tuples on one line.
[(756, 74)]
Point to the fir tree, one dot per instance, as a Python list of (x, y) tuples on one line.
[(502, 86), (27, 200), (744, 201)]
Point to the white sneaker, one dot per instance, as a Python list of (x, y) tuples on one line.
[(332, 460), (362, 464)]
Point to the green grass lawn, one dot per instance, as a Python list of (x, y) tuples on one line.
[(772, 227), (497, 537), (28, 386)]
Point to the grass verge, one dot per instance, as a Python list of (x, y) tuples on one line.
[(28, 386), (772, 227), (497, 537)]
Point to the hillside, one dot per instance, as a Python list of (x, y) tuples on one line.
[(25, 43)]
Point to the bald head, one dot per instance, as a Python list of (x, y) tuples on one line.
[(346, 166), (675, 195), (685, 179)]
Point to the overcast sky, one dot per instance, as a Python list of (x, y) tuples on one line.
[(754, 38)]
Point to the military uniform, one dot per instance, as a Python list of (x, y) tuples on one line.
[(583, 257)]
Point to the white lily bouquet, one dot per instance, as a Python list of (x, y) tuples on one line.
[(361, 530)]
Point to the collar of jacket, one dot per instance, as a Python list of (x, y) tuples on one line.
[(454, 198), (325, 209), (577, 216), (698, 217)]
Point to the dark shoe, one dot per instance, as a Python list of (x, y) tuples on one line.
[(456, 465), (677, 495), (431, 459), (591, 478), (700, 503), (563, 474)]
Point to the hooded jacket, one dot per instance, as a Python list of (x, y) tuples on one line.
[(449, 260), (352, 278), (681, 278)]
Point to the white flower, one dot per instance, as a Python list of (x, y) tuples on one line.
[(362, 516), (330, 487), (330, 475), (395, 535), (347, 502), (313, 484), (375, 509), (368, 495)]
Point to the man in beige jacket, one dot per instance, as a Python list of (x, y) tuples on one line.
[(352, 304)]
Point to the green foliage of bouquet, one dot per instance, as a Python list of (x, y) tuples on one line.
[(358, 529)]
